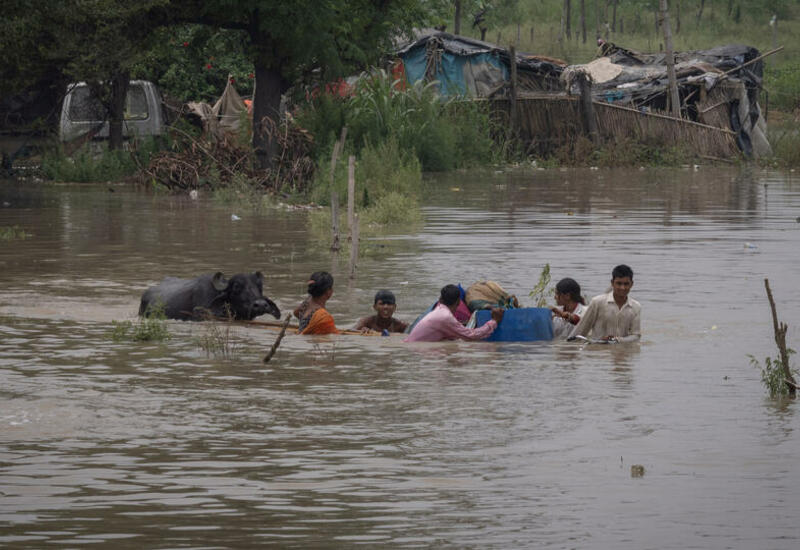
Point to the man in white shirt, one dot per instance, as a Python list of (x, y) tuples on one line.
[(613, 317)]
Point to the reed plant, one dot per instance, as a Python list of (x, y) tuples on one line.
[(784, 137), (216, 338)]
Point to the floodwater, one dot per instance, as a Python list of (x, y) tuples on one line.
[(350, 441)]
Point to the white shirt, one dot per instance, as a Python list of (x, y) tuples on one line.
[(562, 328), (604, 318)]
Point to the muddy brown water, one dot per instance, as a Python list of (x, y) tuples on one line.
[(349, 441)]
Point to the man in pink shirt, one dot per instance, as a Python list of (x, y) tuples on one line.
[(441, 324)]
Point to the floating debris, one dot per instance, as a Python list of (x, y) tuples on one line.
[(637, 470)]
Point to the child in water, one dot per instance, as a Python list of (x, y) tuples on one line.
[(385, 305), (572, 306), (314, 318)]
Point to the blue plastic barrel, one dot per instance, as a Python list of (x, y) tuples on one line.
[(526, 324)]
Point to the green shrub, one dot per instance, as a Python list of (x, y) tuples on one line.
[(152, 328), (442, 134), (12, 233), (785, 141), (391, 209), (772, 374), (783, 83), (86, 167)]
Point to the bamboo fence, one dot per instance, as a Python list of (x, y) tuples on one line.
[(548, 121)]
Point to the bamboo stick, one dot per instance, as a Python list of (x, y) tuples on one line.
[(277, 342), (354, 248)]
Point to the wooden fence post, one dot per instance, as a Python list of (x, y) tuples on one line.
[(351, 192), (512, 113), (584, 83), (354, 248), (337, 150)]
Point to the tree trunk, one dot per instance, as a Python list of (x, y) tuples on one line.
[(270, 84), (678, 17), (596, 19), (457, 27), (583, 20), (614, 19), (675, 100), (116, 109), (700, 10), (568, 9)]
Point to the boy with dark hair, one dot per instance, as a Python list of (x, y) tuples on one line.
[(441, 324), (613, 317), (385, 305)]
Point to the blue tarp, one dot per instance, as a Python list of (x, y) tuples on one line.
[(451, 70), (526, 324)]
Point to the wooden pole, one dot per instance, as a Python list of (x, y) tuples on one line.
[(583, 21), (351, 193), (674, 97), (337, 150), (457, 26), (584, 82), (354, 248), (512, 113), (277, 343), (780, 339)]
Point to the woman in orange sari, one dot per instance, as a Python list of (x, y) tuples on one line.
[(314, 318)]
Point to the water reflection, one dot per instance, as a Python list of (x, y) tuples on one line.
[(350, 441)]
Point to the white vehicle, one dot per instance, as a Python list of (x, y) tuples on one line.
[(144, 114)]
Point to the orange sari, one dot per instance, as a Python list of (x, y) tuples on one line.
[(321, 322)]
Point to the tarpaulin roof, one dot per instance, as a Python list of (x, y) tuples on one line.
[(465, 65)]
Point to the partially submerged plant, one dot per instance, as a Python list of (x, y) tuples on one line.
[(216, 337), (12, 233), (773, 374), (776, 374), (540, 291), (152, 328)]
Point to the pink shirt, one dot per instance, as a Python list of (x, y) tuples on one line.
[(440, 324)]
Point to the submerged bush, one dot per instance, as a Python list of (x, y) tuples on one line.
[(772, 374), (152, 328), (87, 167), (242, 193), (12, 233), (380, 170), (785, 141), (216, 340)]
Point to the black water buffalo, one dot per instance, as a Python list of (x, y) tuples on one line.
[(211, 294)]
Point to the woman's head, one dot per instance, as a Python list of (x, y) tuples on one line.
[(570, 289), (319, 283)]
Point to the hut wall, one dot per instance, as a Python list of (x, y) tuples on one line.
[(547, 122)]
